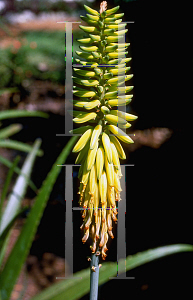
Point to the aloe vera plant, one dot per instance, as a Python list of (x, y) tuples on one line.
[(99, 92)]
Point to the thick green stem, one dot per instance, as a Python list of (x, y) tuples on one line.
[(94, 276)]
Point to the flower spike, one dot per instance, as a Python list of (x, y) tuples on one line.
[(98, 96)]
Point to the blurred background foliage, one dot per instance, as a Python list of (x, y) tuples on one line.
[(38, 6), (35, 54)]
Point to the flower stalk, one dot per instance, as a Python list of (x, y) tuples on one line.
[(94, 276), (98, 93)]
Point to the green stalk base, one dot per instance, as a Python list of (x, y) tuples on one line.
[(94, 276)]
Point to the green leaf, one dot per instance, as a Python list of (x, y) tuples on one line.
[(20, 251), (10, 130), (9, 164), (13, 113), (9, 90), (18, 146), (4, 238), (19, 189), (79, 285), (7, 181), (11, 211), (152, 254)]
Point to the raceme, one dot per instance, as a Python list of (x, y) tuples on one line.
[(100, 90)]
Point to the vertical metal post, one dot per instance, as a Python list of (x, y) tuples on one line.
[(69, 80), (68, 223)]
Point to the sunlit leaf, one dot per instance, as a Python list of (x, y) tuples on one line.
[(9, 164), (5, 143), (8, 181), (19, 189)]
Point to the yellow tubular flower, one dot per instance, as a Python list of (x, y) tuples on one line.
[(97, 101)]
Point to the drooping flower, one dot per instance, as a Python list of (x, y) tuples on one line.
[(99, 93)]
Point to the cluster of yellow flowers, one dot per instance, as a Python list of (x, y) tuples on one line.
[(99, 149)]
